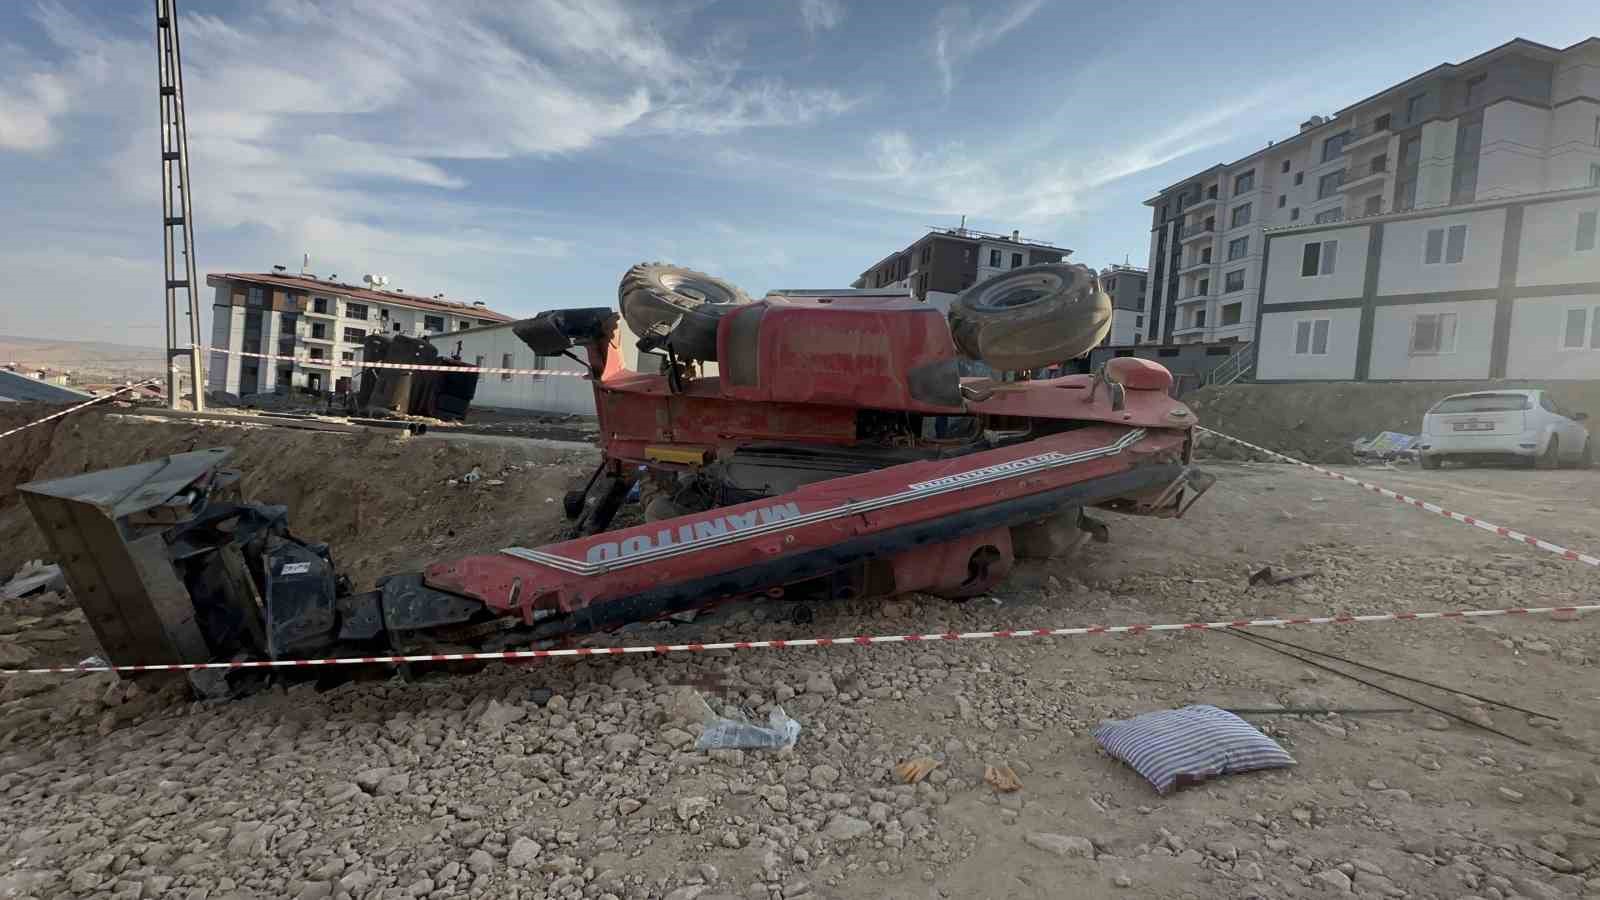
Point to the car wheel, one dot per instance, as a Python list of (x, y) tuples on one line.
[(687, 303), (1031, 317), (1551, 458), (1431, 460)]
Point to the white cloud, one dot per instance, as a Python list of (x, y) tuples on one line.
[(958, 35), (821, 15), (27, 107)]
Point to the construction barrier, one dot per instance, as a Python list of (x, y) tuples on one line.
[(857, 641), (73, 409)]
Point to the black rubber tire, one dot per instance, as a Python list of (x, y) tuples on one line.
[(1430, 460), (690, 303), (1551, 458), (1031, 317)]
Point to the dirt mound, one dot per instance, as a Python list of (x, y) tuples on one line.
[(1318, 422), (380, 499)]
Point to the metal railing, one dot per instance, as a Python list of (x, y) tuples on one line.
[(1232, 369), (1190, 231)]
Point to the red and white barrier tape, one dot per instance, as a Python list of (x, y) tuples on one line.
[(358, 364), (1474, 521), (73, 409), (860, 641)]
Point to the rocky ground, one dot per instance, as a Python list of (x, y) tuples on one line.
[(580, 778)]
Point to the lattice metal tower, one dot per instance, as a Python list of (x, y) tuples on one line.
[(177, 232)]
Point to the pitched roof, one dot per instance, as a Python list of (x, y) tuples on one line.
[(15, 386), (309, 284)]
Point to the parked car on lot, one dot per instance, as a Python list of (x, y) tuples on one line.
[(1525, 426)]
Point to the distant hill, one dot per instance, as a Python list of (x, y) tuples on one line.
[(97, 358)]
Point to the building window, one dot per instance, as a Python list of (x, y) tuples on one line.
[(1167, 351), (505, 363), (1231, 312), (1311, 337), (354, 335), (1016, 260), (463, 325), (1241, 215), (315, 352), (1282, 200), (1414, 108), (1405, 195), (1299, 178), (1445, 245), (1594, 173), (1329, 183), (1138, 322), (1233, 281), (1586, 231), (1239, 247), (1110, 285), (256, 297), (478, 361), (1286, 167), (355, 311), (994, 259), (927, 253), (348, 356), (1205, 256), (1294, 214), (1244, 183), (1330, 215), (1433, 334), (1579, 321), (1318, 258), (1334, 146), (319, 305), (397, 328), (319, 331), (1200, 317), (433, 323), (1475, 88), (1373, 206)]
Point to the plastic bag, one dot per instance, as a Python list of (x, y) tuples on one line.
[(740, 734)]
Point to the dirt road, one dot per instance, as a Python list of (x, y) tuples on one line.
[(579, 779)]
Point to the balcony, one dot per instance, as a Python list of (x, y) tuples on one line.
[(321, 315), (1364, 175), (1188, 330), (1377, 129), (323, 363), (325, 339), (1209, 200), (1198, 229), (1196, 266), (1193, 298)]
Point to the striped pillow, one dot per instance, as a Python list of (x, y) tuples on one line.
[(1179, 747)]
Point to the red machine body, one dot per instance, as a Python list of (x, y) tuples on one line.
[(829, 402)]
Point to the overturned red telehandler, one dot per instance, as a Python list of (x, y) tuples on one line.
[(809, 445)]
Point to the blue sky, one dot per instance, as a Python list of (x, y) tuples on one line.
[(526, 154)]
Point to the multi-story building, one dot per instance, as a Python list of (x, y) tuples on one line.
[(943, 263), (320, 324), (1521, 118), (1487, 289), (1126, 286)]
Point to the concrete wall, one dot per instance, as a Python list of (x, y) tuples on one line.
[(1512, 159), (1285, 284), (1538, 328), (1403, 271), (1548, 250), (530, 393), (1391, 343), (1275, 344)]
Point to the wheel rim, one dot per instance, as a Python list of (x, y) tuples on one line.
[(1021, 294), (694, 288)]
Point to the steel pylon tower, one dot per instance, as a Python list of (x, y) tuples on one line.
[(177, 231)]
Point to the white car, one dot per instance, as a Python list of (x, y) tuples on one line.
[(1522, 425)]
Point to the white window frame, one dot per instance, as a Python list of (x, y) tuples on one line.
[(1455, 329), (1311, 337), (1444, 245), (1591, 334), (1579, 224), (1236, 240), (1242, 279), (1322, 258)]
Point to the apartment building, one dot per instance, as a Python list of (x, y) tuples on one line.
[(320, 324), (945, 262), (1522, 118), (1506, 288), (1126, 285)]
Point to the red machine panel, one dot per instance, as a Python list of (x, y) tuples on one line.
[(861, 353)]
